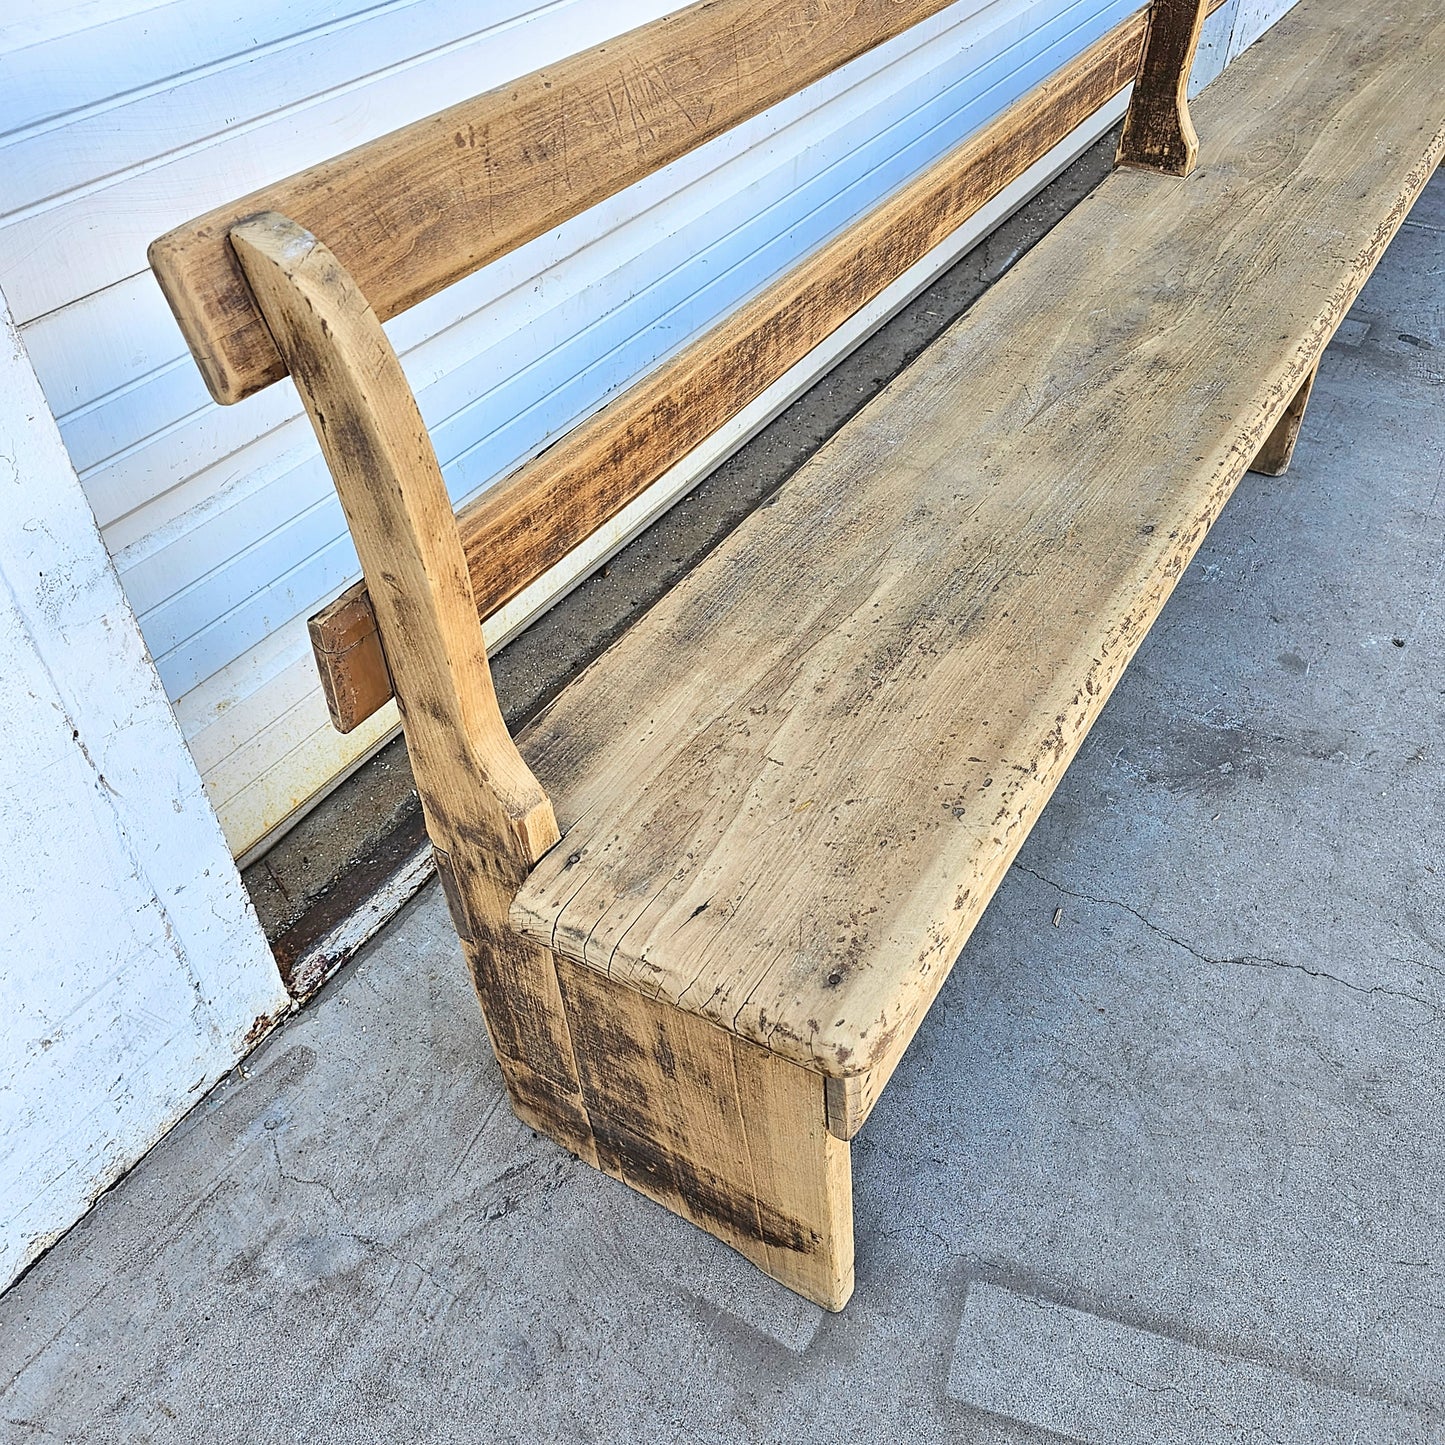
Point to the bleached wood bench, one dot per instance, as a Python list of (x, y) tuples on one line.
[(786, 795)]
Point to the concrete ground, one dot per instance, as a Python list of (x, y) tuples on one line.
[(1171, 1170)]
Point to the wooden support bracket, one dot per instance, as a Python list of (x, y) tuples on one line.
[(1274, 456), (1158, 133), (349, 656)]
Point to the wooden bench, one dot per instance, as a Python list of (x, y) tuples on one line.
[(786, 795)]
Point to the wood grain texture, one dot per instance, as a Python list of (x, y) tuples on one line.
[(518, 530), (1274, 456), (485, 814), (849, 1100), (1158, 133), (720, 1131), (414, 211), (788, 793)]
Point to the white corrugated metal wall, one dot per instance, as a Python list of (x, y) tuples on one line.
[(119, 118)]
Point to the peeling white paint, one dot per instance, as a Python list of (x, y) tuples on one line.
[(133, 971)]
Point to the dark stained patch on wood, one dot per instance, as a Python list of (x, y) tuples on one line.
[(450, 891), (708, 1198), (1158, 134), (718, 1130)]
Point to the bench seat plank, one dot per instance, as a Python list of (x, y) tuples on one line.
[(789, 791)]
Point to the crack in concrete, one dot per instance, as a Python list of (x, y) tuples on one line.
[(1237, 961), (1189, 1398), (290, 1178)]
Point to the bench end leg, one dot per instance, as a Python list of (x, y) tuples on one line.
[(716, 1129)]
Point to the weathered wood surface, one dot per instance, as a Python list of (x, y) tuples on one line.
[(722, 1132), (789, 791), (849, 1099), (1158, 133), (416, 210), (1274, 456), (485, 814), (350, 659), (524, 526)]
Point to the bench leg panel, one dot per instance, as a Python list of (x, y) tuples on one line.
[(1274, 456), (718, 1130)]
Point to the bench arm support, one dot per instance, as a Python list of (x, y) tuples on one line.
[(487, 816), (1158, 133), (401, 518)]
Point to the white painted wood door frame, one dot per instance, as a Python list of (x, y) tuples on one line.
[(134, 972)]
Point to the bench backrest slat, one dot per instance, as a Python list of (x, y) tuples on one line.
[(414, 211)]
